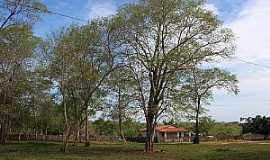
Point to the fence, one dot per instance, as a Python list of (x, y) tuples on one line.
[(226, 137), (139, 139), (59, 138)]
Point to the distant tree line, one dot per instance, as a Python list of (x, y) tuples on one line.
[(256, 125)]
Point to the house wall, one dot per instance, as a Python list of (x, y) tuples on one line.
[(172, 137)]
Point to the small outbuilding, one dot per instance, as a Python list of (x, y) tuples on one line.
[(170, 133)]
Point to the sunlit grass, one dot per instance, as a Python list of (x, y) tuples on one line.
[(134, 151)]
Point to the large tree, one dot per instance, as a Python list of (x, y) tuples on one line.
[(198, 89), (163, 38), (82, 58), (17, 45), (122, 97)]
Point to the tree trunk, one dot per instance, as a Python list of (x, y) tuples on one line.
[(66, 138), (2, 134), (77, 136), (265, 137), (196, 139), (46, 134), (87, 143), (121, 130), (4, 130), (77, 133), (80, 137), (120, 116), (4, 122), (36, 134), (149, 144), (19, 137), (66, 128)]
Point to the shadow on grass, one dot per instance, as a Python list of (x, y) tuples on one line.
[(173, 144), (78, 149)]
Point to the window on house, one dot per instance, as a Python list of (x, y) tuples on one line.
[(163, 134)]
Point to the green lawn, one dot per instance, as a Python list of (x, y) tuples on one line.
[(42, 151)]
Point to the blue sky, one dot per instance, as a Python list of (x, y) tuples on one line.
[(89, 9), (249, 20), (83, 9)]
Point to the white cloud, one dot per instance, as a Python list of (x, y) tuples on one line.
[(252, 30), (211, 7), (252, 100), (253, 44), (99, 8)]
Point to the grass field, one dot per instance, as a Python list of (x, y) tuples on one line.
[(47, 151)]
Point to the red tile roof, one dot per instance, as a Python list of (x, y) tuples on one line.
[(169, 128)]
